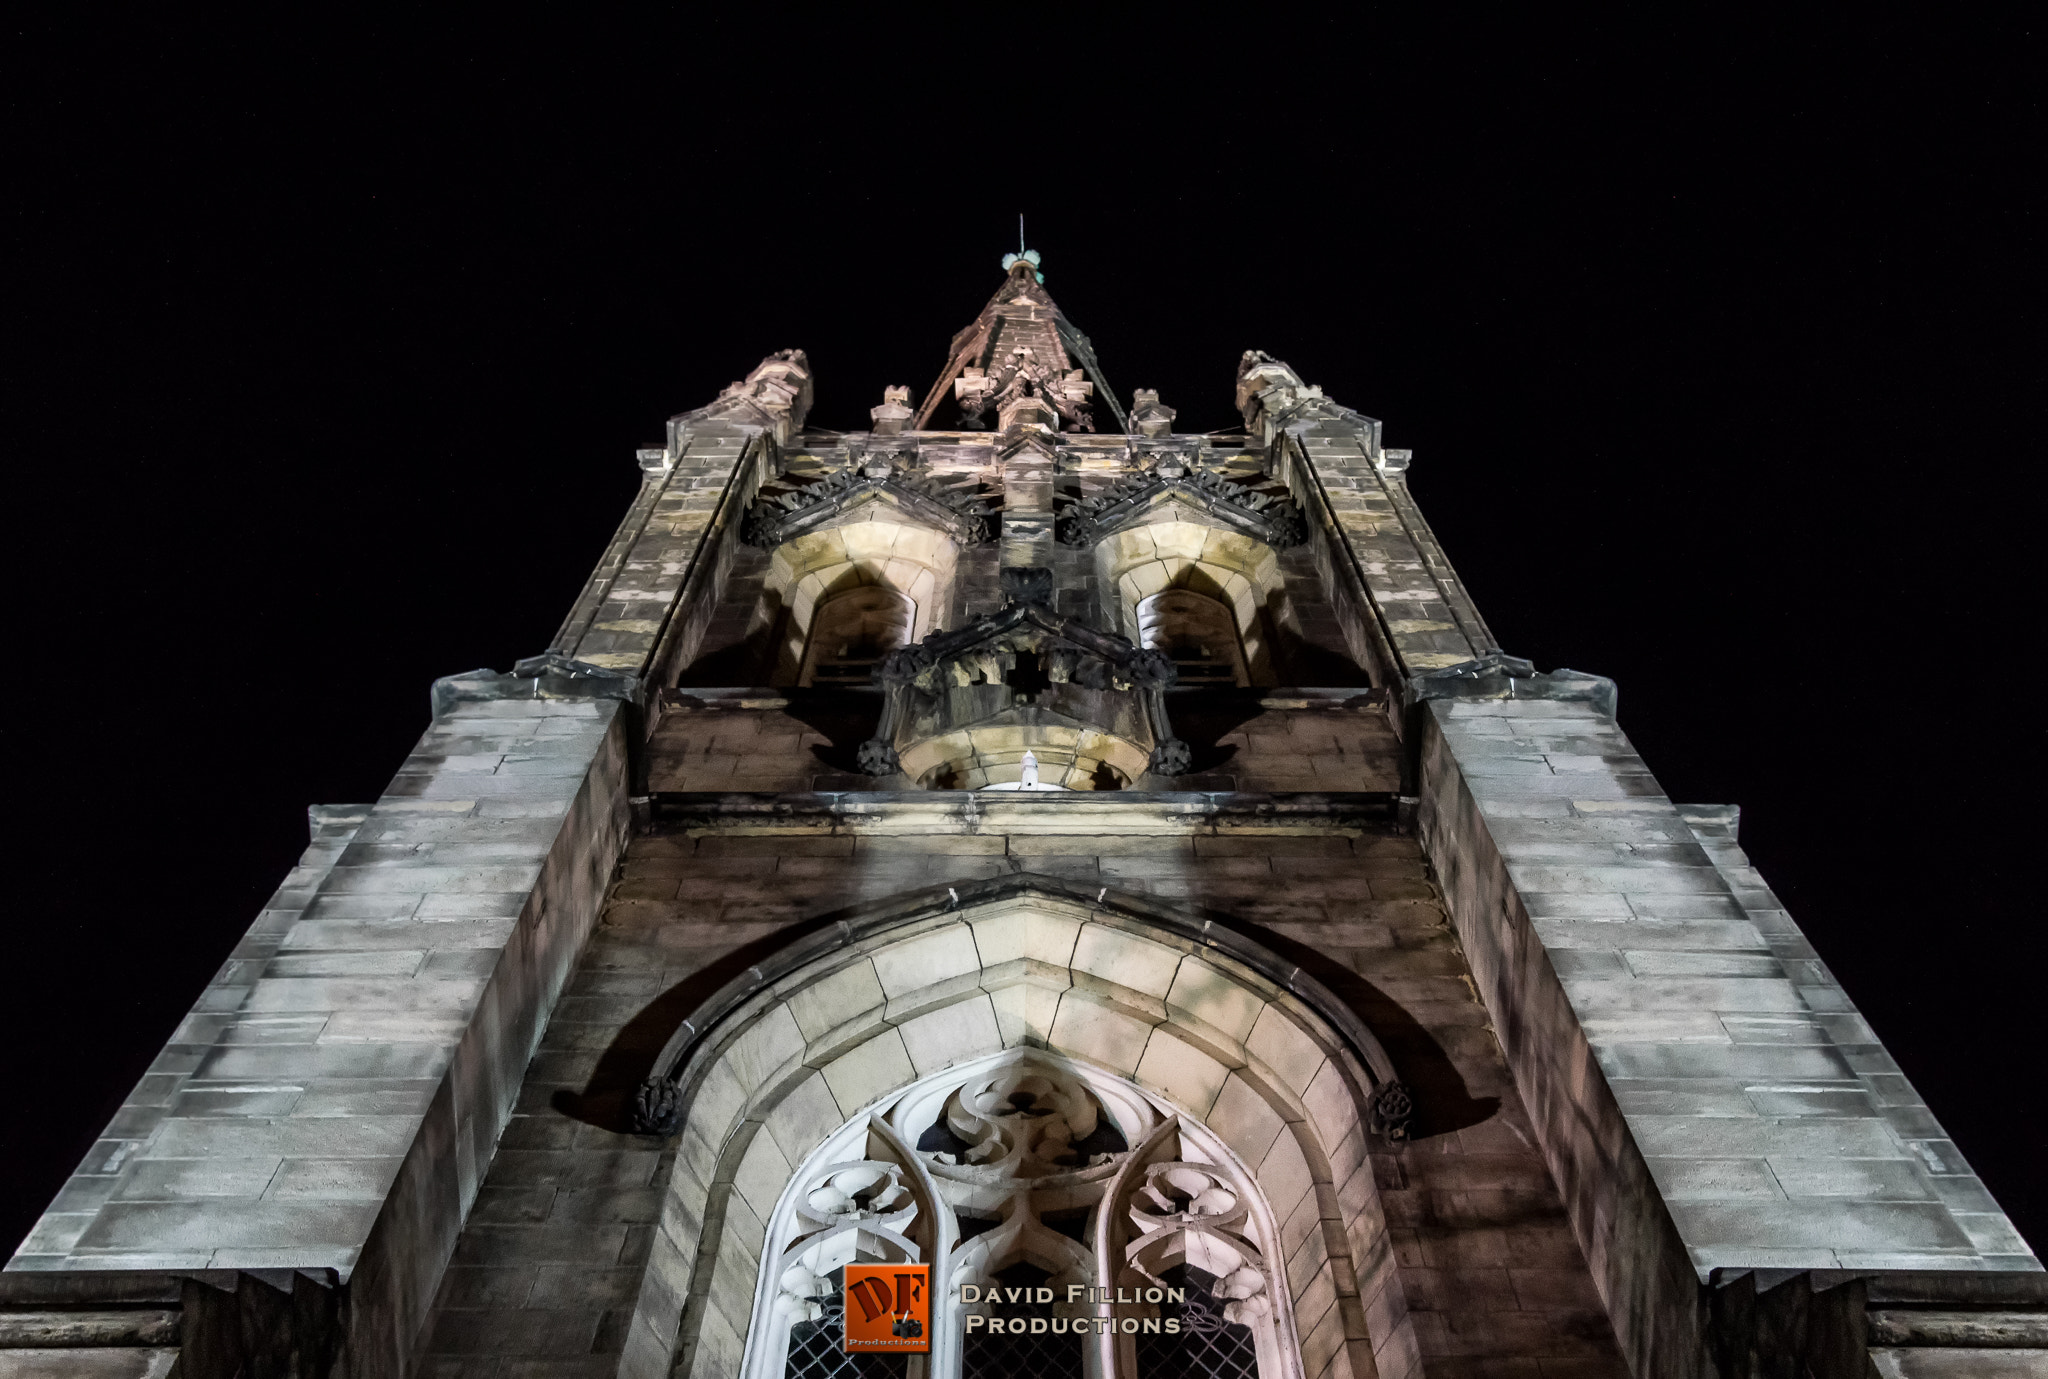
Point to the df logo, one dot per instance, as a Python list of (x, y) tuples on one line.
[(888, 1308)]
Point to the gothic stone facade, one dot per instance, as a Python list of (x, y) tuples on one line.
[(1074, 858)]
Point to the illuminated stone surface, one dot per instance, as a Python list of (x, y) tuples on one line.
[(1526, 1067)]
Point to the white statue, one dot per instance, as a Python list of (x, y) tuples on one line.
[(1027, 777)]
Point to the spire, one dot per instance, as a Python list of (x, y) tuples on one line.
[(1022, 344)]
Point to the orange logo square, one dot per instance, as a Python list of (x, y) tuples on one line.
[(888, 1309)]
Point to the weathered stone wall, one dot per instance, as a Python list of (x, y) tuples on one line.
[(796, 740), (1478, 1252), (656, 593), (1402, 607), (1312, 645), (738, 645), (1706, 1095), (334, 1100)]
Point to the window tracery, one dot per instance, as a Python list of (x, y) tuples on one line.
[(1043, 1187), (1176, 1222), (840, 1210)]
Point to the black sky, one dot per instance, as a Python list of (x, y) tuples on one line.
[(1717, 343)]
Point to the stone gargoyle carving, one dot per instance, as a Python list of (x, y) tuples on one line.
[(775, 396)]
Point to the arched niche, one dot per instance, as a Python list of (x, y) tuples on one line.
[(1199, 631), (1072, 754), (1210, 1027), (852, 630), (809, 571), (1242, 574)]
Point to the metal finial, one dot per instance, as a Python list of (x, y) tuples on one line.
[(1022, 255)]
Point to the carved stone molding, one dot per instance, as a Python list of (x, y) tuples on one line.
[(1393, 1112), (775, 396), (1100, 660), (1022, 376), (1027, 1163), (894, 416), (864, 1198), (1178, 1218), (889, 477), (1083, 682), (1148, 418), (657, 1107), (1268, 518)]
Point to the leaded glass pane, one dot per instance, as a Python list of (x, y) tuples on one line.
[(817, 1350), (1208, 1347), (1027, 1356)]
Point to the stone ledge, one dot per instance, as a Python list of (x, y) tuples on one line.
[(929, 811), (1601, 922), (338, 1124)]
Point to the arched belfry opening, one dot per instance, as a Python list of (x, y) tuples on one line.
[(852, 631), (1154, 573), (1027, 1090), (869, 580), (1199, 632)]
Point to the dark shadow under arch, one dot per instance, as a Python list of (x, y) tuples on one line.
[(1393, 1046), (1442, 1101)]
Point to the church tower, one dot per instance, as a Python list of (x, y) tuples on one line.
[(1111, 869)]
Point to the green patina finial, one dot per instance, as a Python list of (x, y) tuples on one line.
[(1029, 256)]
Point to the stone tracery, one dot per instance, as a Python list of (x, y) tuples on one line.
[(1029, 1161), (1252, 1082)]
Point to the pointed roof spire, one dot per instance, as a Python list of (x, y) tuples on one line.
[(1022, 341)]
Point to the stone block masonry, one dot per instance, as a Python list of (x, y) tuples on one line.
[(331, 1104), (773, 741), (1620, 1117), (1404, 608), (1477, 1268), (1709, 1100), (655, 594)]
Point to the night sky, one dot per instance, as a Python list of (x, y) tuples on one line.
[(1718, 346)]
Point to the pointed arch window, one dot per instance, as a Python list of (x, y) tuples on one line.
[(1050, 1185), (1198, 632), (852, 633)]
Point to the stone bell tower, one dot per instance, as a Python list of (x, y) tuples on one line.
[(1115, 868)]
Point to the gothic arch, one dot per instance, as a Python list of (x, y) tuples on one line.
[(1218, 1030), (852, 630), (1199, 631), (1028, 1159), (1240, 573), (808, 571)]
